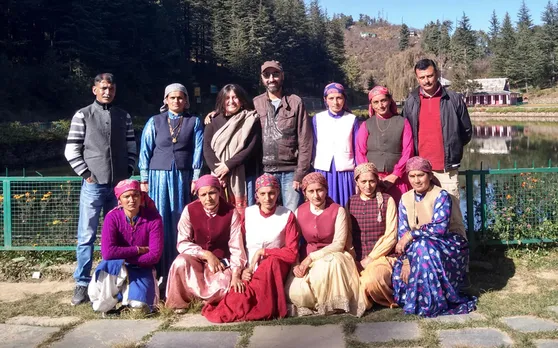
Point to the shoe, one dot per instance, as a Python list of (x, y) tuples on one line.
[(80, 295)]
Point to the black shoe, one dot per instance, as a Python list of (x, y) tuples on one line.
[(80, 295)]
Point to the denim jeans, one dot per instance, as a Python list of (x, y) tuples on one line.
[(290, 197), (93, 198)]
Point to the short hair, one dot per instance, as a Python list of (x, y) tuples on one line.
[(104, 77), (245, 101), (425, 63)]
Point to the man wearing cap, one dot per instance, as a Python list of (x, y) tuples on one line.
[(101, 148), (286, 134)]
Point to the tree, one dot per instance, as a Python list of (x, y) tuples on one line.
[(463, 43), (493, 32), (404, 37), (400, 74), (352, 73), (504, 53)]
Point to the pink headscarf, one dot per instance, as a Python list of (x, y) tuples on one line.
[(207, 180), (335, 87), (418, 163), (380, 90), (314, 178), (267, 180), (126, 185)]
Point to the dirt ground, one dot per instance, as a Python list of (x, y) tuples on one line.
[(10, 292)]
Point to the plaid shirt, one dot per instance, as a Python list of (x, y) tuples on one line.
[(366, 229)]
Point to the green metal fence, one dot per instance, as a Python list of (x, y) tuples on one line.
[(502, 206)]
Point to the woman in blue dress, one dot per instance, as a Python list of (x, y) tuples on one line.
[(429, 273), (170, 160)]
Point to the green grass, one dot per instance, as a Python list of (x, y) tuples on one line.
[(521, 281)]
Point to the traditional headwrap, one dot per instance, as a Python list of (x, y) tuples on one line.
[(380, 90), (267, 180), (314, 178), (418, 163), (335, 87), (126, 185), (207, 180), (371, 168), (173, 87)]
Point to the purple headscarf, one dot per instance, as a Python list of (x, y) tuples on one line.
[(335, 87)]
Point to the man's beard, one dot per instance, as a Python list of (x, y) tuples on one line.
[(273, 89)]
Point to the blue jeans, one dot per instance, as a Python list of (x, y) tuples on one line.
[(290, 197), (93, 198)]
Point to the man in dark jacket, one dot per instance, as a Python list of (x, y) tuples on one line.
[(440, 123), (101, 148), (287, 135)]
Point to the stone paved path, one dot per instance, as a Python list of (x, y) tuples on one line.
[(195, 331)]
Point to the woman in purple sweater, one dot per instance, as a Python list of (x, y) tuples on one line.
[(131, 244)]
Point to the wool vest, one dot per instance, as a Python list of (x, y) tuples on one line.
[(212, 233), (423, 210), (334, 141), (385, 142), (265, 232), (166, 151), (317, 230), (366, 229)]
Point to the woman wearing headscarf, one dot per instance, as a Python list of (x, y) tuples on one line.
[(386, 140), (170, 161), (334, 135), (433, 250), (232, 145), (211, 249), (373, 216), (131, 244), (326, 281), (271, 245)]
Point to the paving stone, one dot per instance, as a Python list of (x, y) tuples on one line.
[(196, 320), (23, 336), (553, 309), (529, 323), (546, 343), (43, 321), (387, 331), (289, 336), (106, 333), (458, 318), (207, 339), (479, 337)]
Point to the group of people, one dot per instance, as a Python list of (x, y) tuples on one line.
[(377, 225)]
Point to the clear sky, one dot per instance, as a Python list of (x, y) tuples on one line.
[(418, 13)]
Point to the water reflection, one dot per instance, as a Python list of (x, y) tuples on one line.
[(509, 146)]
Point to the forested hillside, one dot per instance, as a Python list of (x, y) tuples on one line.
[(50, 49)]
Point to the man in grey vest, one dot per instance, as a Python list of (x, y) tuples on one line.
[(101, 148)]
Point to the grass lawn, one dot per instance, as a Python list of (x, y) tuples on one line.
[(516, 281)]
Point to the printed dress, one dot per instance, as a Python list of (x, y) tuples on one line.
[(437, 257)]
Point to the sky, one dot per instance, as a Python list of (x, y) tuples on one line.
[(416, 14)]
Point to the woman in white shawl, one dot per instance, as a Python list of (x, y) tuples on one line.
[(232, 145)]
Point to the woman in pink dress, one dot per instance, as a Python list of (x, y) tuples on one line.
[(386, 140), (211, 249)]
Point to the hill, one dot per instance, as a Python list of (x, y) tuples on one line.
[(372, 46)]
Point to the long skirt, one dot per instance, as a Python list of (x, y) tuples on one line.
[(190, 278), (331, 285), (437, 272), (115, 281), (376, 280), (341, 185), (170, 190), (263, 299)]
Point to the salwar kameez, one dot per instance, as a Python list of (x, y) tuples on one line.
[(437, 258), (169, 189)]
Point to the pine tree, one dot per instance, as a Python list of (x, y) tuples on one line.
[(493, 32), (404, 37), (463, 43), (504, 54)]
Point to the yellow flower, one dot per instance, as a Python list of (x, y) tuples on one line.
[(27, 194), (18, 196), (34, 191), (508, 197), (56, 222)]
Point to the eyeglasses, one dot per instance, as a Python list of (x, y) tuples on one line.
[(267, 75)]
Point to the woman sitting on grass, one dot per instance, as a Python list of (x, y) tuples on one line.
[(131, 244), (428, 276)]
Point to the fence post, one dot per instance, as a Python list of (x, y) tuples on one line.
[(483, 201), (470, 209), (7, 191)]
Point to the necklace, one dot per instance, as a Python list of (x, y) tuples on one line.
[(176, 130), (378, 125)]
